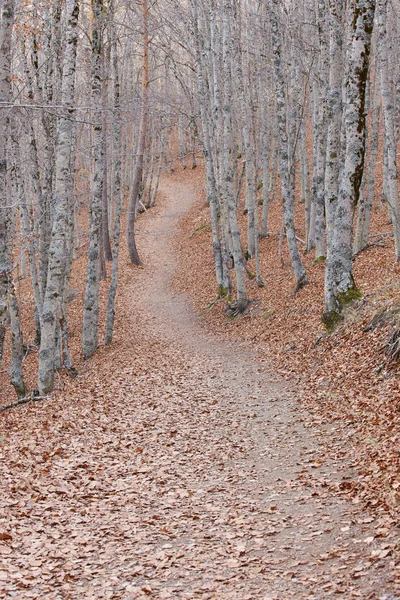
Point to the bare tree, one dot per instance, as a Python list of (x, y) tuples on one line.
[(389, 124), (59, 244), (139, 165), (286, 160), (6, 27), (91, 305), (340, 288)]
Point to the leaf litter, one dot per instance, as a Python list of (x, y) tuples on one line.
[(176, 465)]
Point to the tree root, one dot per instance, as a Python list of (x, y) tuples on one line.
[(392, 349)]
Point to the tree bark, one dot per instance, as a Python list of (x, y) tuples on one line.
[(17, 347), (116, 190), (6, 27), (138, 173), (287, 180), (104, 222), (363, 223), (322, 133), (91, 303), (334, 114), (340, 287), (241, 292), (389, 125), (59, 242), (161, 149)]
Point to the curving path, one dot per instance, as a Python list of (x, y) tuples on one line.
[(179, 469)]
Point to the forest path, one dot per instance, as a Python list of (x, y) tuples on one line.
[(184, 471)]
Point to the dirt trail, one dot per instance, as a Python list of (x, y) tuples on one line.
[(185, 471)]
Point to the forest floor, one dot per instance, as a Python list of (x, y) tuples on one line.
[(180, 463)]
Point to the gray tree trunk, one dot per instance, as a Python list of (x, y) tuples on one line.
[(389, 125), (6, 27), (117, 192), (204, 104), (43, 220), (372, 140), (26, 221), (104, 223), (267, 155), (334, 114), (364, 217), (159, 169), (305, 174), (17, 347), (287, 180), (321, 140), (59, 242), (91, 304), (226, 166), (213, 64), (139, 165), (50, 93), (340, 288), (248, 146)]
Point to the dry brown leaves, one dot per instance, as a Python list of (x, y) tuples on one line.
[(342, 378), (176, 465)]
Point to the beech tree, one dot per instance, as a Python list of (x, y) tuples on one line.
[(286, 150), (389, 125), (91, 306), (117, 192), (9, 310), (137, 184), (60, 243), (340, 287), (6, 25)]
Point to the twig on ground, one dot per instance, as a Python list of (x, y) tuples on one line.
[(26, 400), (387, 234), (198, 230), (211, 306), (370, 245)]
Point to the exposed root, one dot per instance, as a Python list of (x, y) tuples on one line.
[(392, 349)]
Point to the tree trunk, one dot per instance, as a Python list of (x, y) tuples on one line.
[(43, 222), (366, 193), (267, 154), (322, 133), (91, 304), (389, 125), (241, 293), (334, 114), (287, 180), (363, 227), (248, 146), (138, 174), (154, 191), (104, 219), (116, 190), (17, 347), (49, 122), (305, 168), (340, 288), (209, 61), (26, 221), (59, 242), (6, 27)]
